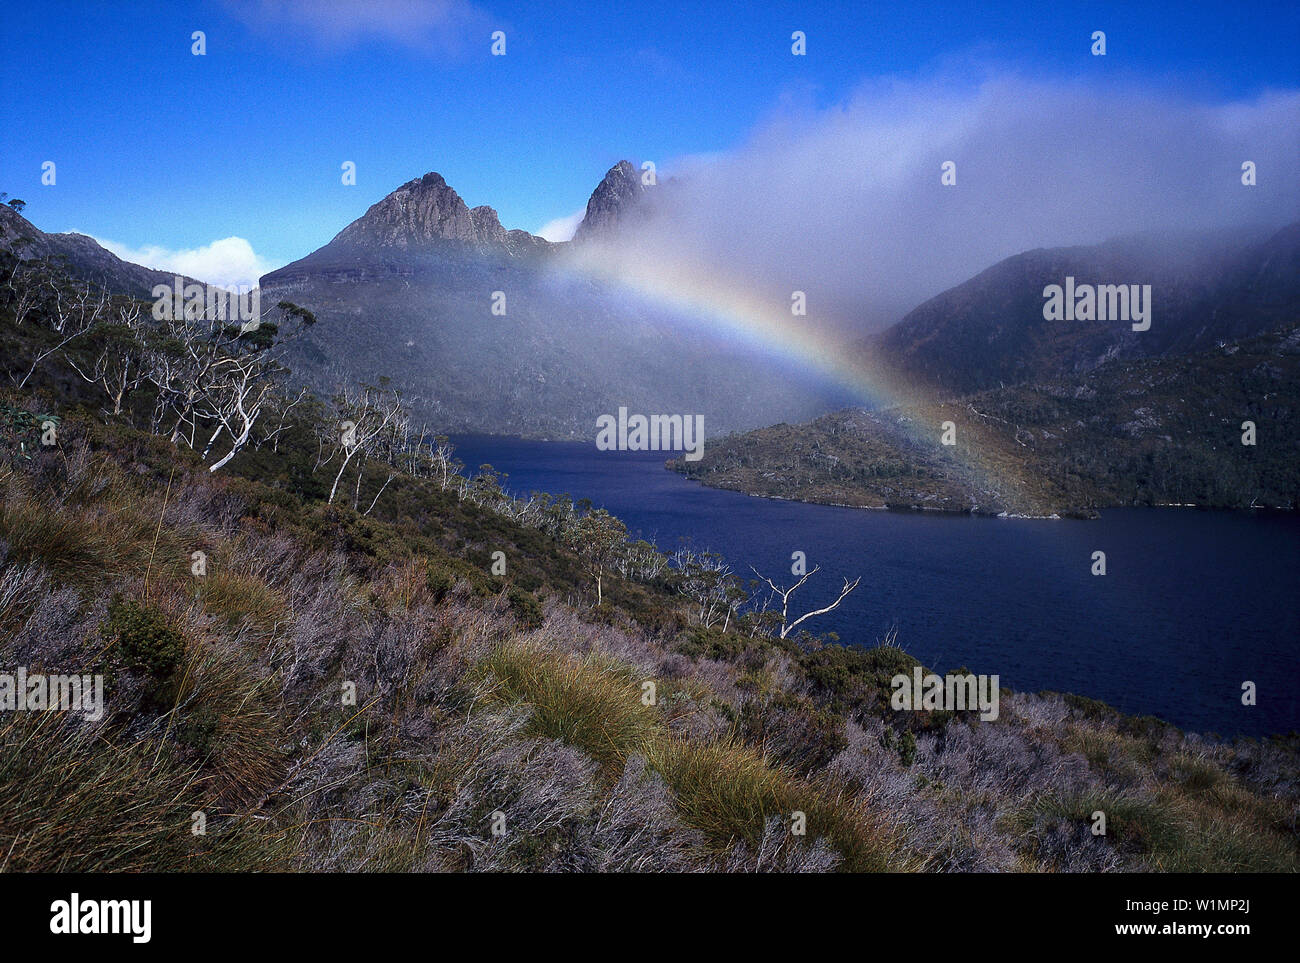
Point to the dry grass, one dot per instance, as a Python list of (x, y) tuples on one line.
[(725, 789), (244, 602), (76, 802), (584, 702), (465, 712)]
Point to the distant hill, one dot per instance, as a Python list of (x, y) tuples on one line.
[(1148, 431), (82, 257), (990, 330), (407, 292)]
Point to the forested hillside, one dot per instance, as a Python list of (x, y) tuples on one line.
[(1144, 432)]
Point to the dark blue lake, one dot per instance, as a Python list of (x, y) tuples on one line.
[(1193, 604)]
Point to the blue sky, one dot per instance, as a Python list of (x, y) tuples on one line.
[(158, 147)]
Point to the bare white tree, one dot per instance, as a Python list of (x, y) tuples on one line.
[(444, 462), (216, 377), (707, 580), (72, 310), (117, 363), (232, 399), (373, 425), (784, 594), (282, 405)]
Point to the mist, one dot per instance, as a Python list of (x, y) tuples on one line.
[(846, 204)]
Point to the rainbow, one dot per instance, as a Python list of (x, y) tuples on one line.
[(714, 303)]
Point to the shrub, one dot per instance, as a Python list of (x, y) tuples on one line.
[(142, 640), (907, 748), (851, 678), (793, 729), (701, 643), (526, 608), (444, 572)]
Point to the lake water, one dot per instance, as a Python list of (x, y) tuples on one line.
[(1193, 604)]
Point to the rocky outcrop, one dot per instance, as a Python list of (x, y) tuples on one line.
[(488, 330), (612, 202), (426, 211)]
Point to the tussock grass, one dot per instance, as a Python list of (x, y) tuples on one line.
[(243, 601), (77, 802), (728, 791), (1234, 834), (586, 703), (230, 719), (1198, 777), (118, 536), (725, 789), (1173, 832), (1143, 825), (65, 544)]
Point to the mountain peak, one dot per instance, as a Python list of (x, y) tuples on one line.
[(619, 192), (422, 210), (487, 226), (426, 211)]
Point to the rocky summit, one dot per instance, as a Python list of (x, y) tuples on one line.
[(426, 211), (489, 330), (618, 194)]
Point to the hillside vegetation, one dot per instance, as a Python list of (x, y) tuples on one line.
[(1147, 432), (348, 680)]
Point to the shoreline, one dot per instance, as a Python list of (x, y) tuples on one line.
[(1058, 515)]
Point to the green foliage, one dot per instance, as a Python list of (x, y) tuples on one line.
[(443, 572), (598, 538), (526, 608), (855, 677), (907, 748), (141, 638), (699, 642), (21, 430)]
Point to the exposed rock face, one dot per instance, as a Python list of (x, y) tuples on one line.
[(615, 197), (487, 226), (407, 291), (426, 211)]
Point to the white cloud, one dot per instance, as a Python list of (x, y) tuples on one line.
[(562, 228), (230, 262), (846, 203)]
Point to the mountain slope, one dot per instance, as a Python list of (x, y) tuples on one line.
[(490, 330), (1146, 431), (990, 330), (82, 256)]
